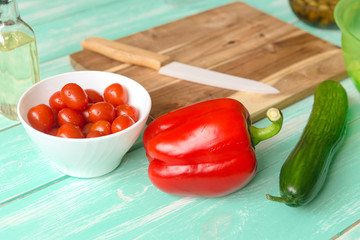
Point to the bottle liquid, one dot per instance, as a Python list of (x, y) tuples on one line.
[(19, 64)]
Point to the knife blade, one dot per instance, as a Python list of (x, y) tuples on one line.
[(166, 66)]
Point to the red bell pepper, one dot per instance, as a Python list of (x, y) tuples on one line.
[(206, 149)]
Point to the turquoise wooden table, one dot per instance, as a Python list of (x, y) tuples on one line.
[(39, 202)]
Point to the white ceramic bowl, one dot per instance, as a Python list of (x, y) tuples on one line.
[(88, 157)]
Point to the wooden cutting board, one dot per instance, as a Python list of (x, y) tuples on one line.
[(236, 39)]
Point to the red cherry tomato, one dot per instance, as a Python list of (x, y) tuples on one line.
[(68, 130), (41, 117), (68, 115), (86, 128), (53, 131), (129, 110), (94, 96), (115, 94), (95, 134), (101, 126), (85, 113), (102, 111), (55, 113), (74, 96), (56, 101), (121, 122)]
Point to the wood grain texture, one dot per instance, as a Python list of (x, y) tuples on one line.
[(125, 53), (351, 232), (235, 39), (21, 169), (125, 205), (62, 35)]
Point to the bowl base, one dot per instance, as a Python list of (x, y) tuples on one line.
[(84, 175)]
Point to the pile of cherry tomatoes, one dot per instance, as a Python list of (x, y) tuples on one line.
[(75, 112)]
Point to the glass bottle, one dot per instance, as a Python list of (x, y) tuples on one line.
[(19, 64)]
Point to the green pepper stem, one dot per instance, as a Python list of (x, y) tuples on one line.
[(260, 134), (289, 201), (276, 199)]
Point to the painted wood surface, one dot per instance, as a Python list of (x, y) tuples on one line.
[(39, 202)]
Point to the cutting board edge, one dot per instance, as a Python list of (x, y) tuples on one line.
[(258, 115)]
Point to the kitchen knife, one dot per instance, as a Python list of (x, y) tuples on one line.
[(166, 66)]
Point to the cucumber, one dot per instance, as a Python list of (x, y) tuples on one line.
[(304, 172)]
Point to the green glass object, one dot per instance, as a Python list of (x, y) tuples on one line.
[(347, 17)]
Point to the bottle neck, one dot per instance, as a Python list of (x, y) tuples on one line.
[(9, 12)]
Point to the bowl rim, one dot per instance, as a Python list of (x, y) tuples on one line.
[(339, 14), (78, 140)]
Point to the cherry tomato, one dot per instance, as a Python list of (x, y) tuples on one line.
[(74, 96), (68, 115), (129, 110), (52, 131), (94, 96), (95, 134), (55, 113), (121, 122), (56, 101), (41, 117), (102, 111), (115, 94), (101, 126), (85, 113), (69, 130), (86, 128)]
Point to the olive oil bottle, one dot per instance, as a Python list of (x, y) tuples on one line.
[(19, 65)]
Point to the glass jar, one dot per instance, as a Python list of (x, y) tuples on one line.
[(19, 65), (319, 13)]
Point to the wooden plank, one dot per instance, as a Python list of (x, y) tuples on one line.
[(33, 11), (332, 35), (124, 190), (22, 166), (24, 169), (351, 232), (55, 23), (7, 123), (126, 205), (235, 39)]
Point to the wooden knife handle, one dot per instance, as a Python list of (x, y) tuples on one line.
[(125, 53)]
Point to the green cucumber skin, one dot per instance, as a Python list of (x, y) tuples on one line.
[(304, 172)]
